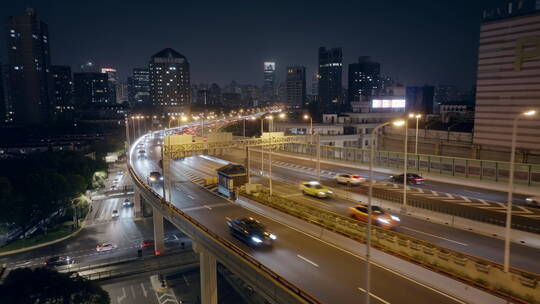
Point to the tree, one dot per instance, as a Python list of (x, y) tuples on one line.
[(44, 285)]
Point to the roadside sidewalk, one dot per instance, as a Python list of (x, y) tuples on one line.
[(489, 185)]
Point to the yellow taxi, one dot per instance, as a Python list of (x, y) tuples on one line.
[(315, 188), (378, 216)]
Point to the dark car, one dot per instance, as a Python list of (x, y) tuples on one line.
[(412, 178), (58, 261), (155, 177), (127, 203), (251, 232)]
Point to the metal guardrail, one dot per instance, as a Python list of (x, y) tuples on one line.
[(225, 243), (517, 285), (527, 174), (182, 150)]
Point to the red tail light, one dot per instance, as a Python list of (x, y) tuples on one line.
[(356, 176)]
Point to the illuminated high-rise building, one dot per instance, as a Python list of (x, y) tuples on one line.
[(170, 88), (112, 79), (296, 86), (364, 79), (330, 72), (269, 84), (139, 87), (29, 63)]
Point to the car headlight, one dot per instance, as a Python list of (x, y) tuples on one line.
[(161, 178), (395, 218), (528, 199), (321, 193), (256, 239), (329, 191), (383, 220), (152, 179), (272, 236)]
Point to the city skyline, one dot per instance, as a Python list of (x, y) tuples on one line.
[(418, 63)]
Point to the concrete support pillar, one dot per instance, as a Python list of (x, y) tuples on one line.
[(137, 204), (208, 274), (159, 246)]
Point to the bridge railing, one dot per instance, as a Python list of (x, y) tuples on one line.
[(517, 285), (527, 174), (291, 287)]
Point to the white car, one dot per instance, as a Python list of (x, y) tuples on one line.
[(105, 247), (349, 179), (115, 214), (533, 201)]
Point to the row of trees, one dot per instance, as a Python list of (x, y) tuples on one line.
[(35, 186)]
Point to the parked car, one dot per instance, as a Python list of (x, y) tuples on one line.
[(58, 261), (155, 177), (105, 247), (349, 179), (251, 231), (378, 216), (412, 178), (533, 201), (314, 188)]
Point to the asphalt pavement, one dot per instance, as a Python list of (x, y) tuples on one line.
[(328, 273)]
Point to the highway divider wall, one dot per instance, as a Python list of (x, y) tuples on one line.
[(277, 288), (517, 285)]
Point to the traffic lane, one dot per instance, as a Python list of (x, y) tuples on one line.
[(82, 247), (523, 257), (333, 274), (467, 191), (275, 257), (138, 290), (311, 264), (491, 248)]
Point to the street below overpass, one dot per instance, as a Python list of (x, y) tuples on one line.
[(286, 180), (326, 272)]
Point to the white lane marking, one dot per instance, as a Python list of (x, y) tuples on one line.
[(450, 195), (207, 207), (144, 290), (435, 236), (524, 210), (373, 295), (185, 280), (307, 260), (133, 291), (123, 297), (191, 197)]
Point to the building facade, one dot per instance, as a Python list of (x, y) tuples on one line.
[(419, 99), (364, 79), (296, 86), (170, 87), (508, 82), (63, 90), (29, 60), (329, 85), (112, 78), (269, 82), (139, 87), (91, 90)]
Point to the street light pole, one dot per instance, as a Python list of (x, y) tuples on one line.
[(511, 190), (262, 147), (405, 163), (126, 122), (416, 141), (370, 195)]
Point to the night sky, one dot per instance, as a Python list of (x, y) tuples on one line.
[(417, 42)]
